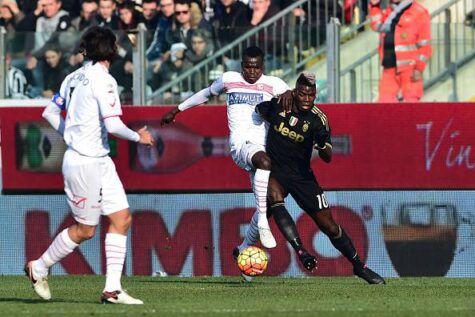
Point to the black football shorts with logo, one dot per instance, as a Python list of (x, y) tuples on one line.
[(305, 190)]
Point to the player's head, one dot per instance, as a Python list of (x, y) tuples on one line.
[(305, 91), (252, 65), (98, 44)]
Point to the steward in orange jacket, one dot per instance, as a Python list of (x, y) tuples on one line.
[(404, 48)]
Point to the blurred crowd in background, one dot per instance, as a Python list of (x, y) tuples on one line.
[(42, 35)]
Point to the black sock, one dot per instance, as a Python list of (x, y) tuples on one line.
[(286, 225), (345, 246)]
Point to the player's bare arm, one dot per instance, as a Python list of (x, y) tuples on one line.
[(197, 99), (286, 100), (169, 117)]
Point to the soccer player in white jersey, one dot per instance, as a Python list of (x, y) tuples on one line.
[(247, 130), (91, 101)]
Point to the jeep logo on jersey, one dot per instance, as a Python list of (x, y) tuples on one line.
[(293, 121), (290, 134), (245, 97)]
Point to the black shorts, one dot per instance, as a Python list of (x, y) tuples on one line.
[(304, 189)]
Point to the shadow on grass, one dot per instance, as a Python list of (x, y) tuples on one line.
[(189, 281), (41, 301)]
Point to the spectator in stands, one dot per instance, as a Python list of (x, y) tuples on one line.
[(129, 18), (232, 23), (55, 70), (184, 23), (404, 50), (16, 81), (87, 17), (10, 17), (177, 39), (27, 6), (320, 12), (201, 48), (73, 7), (198, 20), (107, 16), (49, 22), (157, 51), (262, 11), (150, 12)]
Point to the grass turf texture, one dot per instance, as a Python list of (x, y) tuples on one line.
[(265, 296)]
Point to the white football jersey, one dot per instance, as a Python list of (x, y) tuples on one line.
[(90, 95), (241, 100)]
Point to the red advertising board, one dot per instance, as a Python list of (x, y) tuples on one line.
[(383, 146)]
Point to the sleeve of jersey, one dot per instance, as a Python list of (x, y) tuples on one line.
[(116, 127), (52, 113), (108, 99), (202, 96), (323, 136), (264, 109), (280, 87)]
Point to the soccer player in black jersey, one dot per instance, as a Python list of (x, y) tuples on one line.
[(291, 139)]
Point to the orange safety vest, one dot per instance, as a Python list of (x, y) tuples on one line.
[(411, 37)]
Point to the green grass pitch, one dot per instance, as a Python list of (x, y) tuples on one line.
[(228, 296)]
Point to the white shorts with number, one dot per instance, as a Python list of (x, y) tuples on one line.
[(92, 187), (242, 154)]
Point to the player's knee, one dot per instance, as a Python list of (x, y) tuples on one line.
[(331, 229), (85, 232), (123, 224), (274, 196), (266, 163), (262, 161), (128, 221)]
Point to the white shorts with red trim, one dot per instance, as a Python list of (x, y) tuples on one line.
[(243, 153), (92, 187)]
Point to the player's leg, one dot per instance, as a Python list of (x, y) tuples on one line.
[(342, 242), (286, 224), (82, 191), (116, 207), (261, 161), (251, 236)]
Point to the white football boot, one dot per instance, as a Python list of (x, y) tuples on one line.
[(119, 297), (265, 235), (40, 284)]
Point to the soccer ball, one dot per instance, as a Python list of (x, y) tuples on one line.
[(252, 261)]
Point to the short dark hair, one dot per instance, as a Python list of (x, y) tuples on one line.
[(98, 44), (127, 4), (90, 1), (307, 79), (253, 52), (150, 1), (188, 2)]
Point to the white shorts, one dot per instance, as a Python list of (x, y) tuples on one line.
[(92, 187), (242, 154)]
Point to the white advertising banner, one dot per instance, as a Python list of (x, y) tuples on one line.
[(397, 233)]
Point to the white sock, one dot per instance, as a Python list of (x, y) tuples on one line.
[(61, 247), (116, 245), (259, 187), (252, 233)]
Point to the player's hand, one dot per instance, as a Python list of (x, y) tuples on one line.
[(169, 117), (375, 2), (146, 137), (286, 100)]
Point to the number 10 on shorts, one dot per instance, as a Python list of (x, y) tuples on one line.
[(322, 201)]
